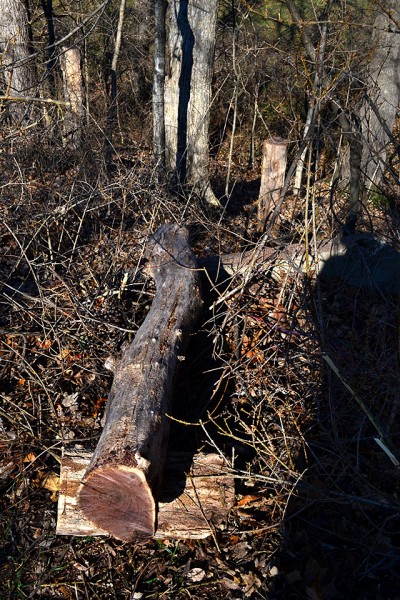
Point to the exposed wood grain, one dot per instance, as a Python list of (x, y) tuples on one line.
[(196, 496)]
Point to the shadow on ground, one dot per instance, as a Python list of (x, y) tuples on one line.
[(342, 524)]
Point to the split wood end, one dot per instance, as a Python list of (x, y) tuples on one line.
[(118, 499)]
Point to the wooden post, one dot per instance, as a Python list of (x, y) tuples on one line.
[(273, 168), (124, 475)]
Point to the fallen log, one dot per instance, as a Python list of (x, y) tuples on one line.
[(118, 490)]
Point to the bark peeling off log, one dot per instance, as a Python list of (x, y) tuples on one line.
[(117, 491)]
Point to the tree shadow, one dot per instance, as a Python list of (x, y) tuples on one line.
[(184, 86), (341, 527), (196, 389)]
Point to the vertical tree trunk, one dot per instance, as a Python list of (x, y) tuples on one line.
[(382, 94), (300, 166), (191, 42), (160, 8), (273, 168), (47, 6), (74, 94), (112, 101), (351, 132), (17, 77)]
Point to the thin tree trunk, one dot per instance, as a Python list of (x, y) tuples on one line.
[(235, 98), (114, 62), (252, 153), (298, 178), (353, 135), (47, 6), (313, 108), (74, 94), (112, 102), (160, 9), (18, 73), (188, 92), (382, 95)]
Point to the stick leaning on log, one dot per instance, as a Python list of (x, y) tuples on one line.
[(361, 260), (118, 489)]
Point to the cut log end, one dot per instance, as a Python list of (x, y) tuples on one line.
[(119, 500)]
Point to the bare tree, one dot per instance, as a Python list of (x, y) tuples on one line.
[(192, 26), (17, 76), (159, 84), (74, 96), (47, 6), (112, 101), (325, 93), (382, 96)]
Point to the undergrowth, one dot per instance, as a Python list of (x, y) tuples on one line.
[(316, 512)]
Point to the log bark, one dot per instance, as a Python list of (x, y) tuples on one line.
[(120, 485), (274, 158)]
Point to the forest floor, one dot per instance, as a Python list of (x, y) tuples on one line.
[(317, 510)]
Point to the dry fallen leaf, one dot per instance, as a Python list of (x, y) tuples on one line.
[(51, 482), (29, 458), (247, 499), (6, 469), (63, 354), (196, 575), (230, 583), (251, 583), (70, 400)]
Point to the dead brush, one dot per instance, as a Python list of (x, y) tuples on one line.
[(270, 349), (311, 480)]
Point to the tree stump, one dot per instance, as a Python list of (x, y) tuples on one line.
[(274, 158), (118, 489)]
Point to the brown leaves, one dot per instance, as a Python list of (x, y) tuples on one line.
[(50, 481), (246, 500)]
